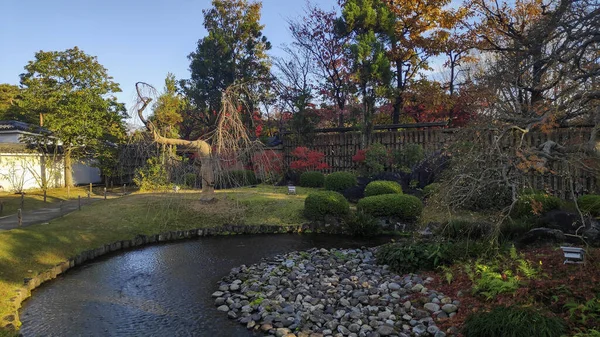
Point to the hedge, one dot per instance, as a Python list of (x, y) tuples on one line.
[(318, 205), (312, 179), (402, 206), (382, 187), (339, 181), (535, 204)]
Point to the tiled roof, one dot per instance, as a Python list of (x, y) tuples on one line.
[(21, 126)]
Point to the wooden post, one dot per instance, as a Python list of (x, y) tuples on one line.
[(20, 217), (89, 196), (90, 188), (1, 207), (79, 202), (22, 200), (123, 189), (44, 195), (105, 193), (68, 192)]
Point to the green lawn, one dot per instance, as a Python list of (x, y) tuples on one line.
[(34, 199), (28, 251)]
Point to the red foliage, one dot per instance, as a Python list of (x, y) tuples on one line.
[(268, 162), (360, 156), (308, 160)]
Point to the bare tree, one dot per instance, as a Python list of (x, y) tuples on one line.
[(228, 142)]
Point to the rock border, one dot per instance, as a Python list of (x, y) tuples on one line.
[(11, 321)]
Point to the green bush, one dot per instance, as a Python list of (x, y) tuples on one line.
[(318, 205), (466, 229), (406, 207), (312, 179), (431, 189), (339, 181), (513, 322), (531, 204), (406, 158), (360, 224), (590, 204), (191, 180), (412, 258), (382, 187), (153, 176)]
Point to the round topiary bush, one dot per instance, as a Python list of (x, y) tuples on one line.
[(382, 187), (406, 207), (318, 205), (339, 181), (312, 179), (589, 203), (535, 204)]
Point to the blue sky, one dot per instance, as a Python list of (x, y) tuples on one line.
[(135, 40)]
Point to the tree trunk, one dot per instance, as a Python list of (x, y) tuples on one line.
[(399, 99), (68, 168)]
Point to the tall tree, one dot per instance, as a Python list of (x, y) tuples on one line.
[(233, 52), (168, 108), (415, 29), (10, 96), (315, 33), (371, 70), (75, 97)]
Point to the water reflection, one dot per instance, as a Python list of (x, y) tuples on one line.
[(157, 291)]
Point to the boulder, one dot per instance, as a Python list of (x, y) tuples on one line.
[(542, 235)]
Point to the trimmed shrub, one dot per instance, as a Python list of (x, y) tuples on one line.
[(402, 206), (431, 189), (360, 224), (339, 181), (513, 321), (535, 204), (382, 187), (312, 179), (589, 203), (318, 205)]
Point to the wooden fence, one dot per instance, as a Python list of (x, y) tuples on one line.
[(340, 147)]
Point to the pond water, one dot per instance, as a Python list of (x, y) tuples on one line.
[(162, 290)]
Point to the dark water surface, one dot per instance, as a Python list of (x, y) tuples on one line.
[(162, 290)]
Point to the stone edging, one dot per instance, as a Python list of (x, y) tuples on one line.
[(29, 284)]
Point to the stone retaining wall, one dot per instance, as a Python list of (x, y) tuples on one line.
[(12, 321)]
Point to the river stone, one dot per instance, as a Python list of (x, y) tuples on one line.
[(449, 308), (385, 330), (234, 287), (218, 294), (417, 288), (419, 329), (432, 329), (393, 286), (223, 308), (431, 307), (354, 327)]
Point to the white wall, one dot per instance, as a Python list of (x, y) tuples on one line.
[(23, 171), (85, 173)]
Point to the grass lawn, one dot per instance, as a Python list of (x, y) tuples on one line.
[(34, 199), (28, 251)]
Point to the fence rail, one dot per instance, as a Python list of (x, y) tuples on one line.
[(340, 147)]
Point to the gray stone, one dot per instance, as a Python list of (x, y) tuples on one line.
[(223, 308), (419, 329), (431, 307), (385, 330), (449, 308)]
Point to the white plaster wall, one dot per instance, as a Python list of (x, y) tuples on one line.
[(23, 170)]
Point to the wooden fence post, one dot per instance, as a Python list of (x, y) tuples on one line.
[(105, 193), (22, 200), (79, 202), (90, 188), (44, 195), (20, 217)]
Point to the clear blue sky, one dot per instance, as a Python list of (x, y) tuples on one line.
[(135, 40)]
